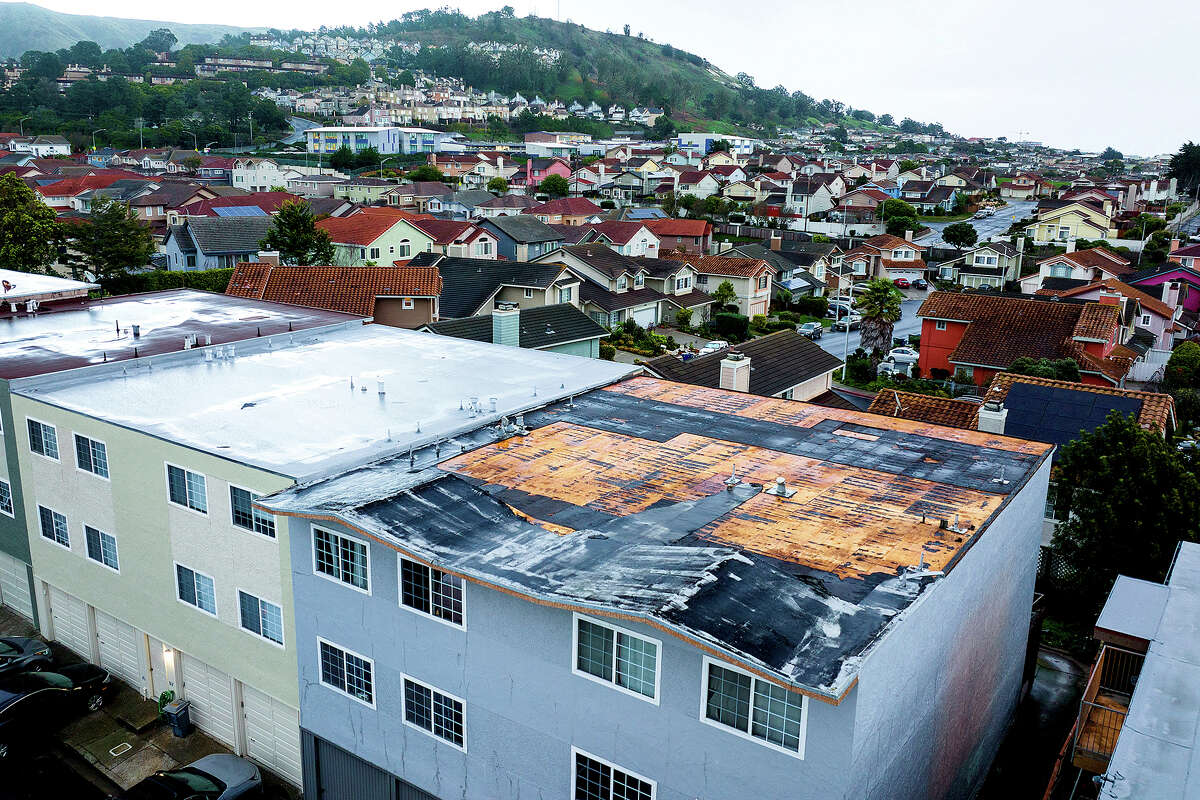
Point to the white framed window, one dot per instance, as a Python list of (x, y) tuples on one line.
[(43, 439), (439, 714), (91, 456), (616, 657), (187, 489), (101, 547), (374, 253), (622, 282), (755, 709), (528, 293), (483, 247), (53, 526), (405, 249), (407, 304), (639, 280), (260, 618), (196, 589), (593, 778), (342, 559), (1145, 319), (940, 325), (1051, 512), (564, 295), (763, 281), (347, 672), (6, 500), (244, 515), (432, 592)]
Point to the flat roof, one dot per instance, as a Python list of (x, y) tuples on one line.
[(79, 334), (620, 503), (306, 404), (1133, 607), (340, 128), (18, 287)]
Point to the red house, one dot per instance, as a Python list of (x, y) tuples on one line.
[(983, 334), (682, 235)]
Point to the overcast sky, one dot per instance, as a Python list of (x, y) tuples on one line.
[(1070, 73)]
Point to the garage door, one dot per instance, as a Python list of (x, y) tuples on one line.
[(272, 733), (69, 616), (211, 694), (645, 316), (14, 585), (910, 274), (120, 649)]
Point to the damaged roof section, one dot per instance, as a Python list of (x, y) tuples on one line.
[(643, 502)]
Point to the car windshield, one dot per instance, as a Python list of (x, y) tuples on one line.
[(195, 780), (7, 649)]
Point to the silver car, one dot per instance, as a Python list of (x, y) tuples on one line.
[(217, 777)]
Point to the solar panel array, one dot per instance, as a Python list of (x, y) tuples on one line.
[(239, 211), (1056, 415)]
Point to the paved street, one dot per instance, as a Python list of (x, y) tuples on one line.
[(837, 342), (299, 126), (986, 227)]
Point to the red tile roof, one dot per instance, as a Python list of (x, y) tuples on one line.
[(1091, 257), (722, 265), (360, 228), (269, 202), (572, 206), (925, 408), (70, 187), (445, 231), (1112, 284), (679, 227), (351, 290)]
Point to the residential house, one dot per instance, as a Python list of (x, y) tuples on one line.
[(202, 243), (1062, 221), (416, 196), (463, 204), (699, 184), (505, 205), (979, 335), (615, 286), (374, 235), (260, 174), (559, 328), (629, 238), (366, 191), (1084, 266), (47, 146), (1185, 256), (884, 256), (567, 211), (256, 203), (808, 196), (474, 287), (992, 264), (752, 279), (861, 205), (801, 270), (1151, 318), (784, 364), (455, 238), (536, 170), (682, 235), (522, 237), (311, 185)]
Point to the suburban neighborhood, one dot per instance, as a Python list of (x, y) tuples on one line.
[(437, 409)]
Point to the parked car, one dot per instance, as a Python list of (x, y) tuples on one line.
[(854, 321), (920, 283), (903, 355), (839, 309), (35, 702), (861, 287), (714, 346), (811, 330), (217, 777), (902, 283), (979, 215), (22, 654)]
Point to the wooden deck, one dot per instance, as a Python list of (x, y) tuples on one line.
[(1098, 734)]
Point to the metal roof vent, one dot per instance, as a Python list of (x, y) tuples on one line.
[(781, 489)]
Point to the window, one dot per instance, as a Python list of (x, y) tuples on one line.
[(941, 325), (702, 280), (564, 295), (434, 712), (595, 779), (788, 395), (431, 591), (1060, 271), (483, 247), (43, 439), (341, 558), (617, 656), (1051, 512), (622, 282), (196, 589), (91, 456), (187, 489), (405, 249), (374, 253), (362, 252), (528, 293), (54, 526), (101, 547), (755, 708), (683, 283), (639, 280), (245, 515), (347, 672), (6, 500), (1145, 319), (763, 281), (260, 617)]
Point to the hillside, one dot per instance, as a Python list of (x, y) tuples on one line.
[(24, 26)]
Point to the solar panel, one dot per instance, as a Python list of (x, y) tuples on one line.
[(239, 211), (1057, 415)]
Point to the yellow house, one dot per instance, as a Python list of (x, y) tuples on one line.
[(720, 159), (1070, 222), (957, 181)]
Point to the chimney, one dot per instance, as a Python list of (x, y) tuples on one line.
[(506, 325), (268, 257), (1108, 298), (908, 236), (1174, 245), (1071, 246), (735, 373), (992, 417), (776, 242)]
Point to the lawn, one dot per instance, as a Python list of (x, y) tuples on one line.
[(950, 218)]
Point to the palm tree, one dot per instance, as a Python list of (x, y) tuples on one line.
[(879, 306)]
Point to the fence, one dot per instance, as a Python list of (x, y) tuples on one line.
[(1104, 706), (1150, 367)]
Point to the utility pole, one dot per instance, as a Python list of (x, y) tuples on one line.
[(250, 117)]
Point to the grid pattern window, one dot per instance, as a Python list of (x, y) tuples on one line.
[(434, 712), (101, 547), (617, 656), (187, 489), (754, 707), (598, 780), (245, 515), (43, 439), (260, 617), (196, 589), (54, 526), (431, 591), (348, 673), (6, 500), (91, 456), (341, 558)]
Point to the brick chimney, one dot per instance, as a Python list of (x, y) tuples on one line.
[(776, 242), (268, 257), (1174, 245), (735, 373), (506, 325), (1108, 298)]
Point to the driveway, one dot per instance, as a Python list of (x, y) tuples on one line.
[(987, 227), (839, 343)]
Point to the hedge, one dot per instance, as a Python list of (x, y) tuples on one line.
[(732, 326), (210, 280)]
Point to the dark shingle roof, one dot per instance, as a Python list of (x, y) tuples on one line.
[(777, 363), (468, 282), (524, 228), (227, 234), (544, 326), (597, 295)]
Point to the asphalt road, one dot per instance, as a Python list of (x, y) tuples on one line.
[(299, 126), (986, 227), (838, 343)]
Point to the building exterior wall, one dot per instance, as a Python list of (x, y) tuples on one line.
[(811, 387), (14, 534), (524, 708), (391, 311), (589, 348), (936, 346), (934, 703)]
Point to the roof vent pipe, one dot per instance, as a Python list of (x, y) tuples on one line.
[(137, 331)]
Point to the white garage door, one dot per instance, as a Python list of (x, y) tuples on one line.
[(69, 615), (14, 585), (211, 694), (645, 316), (911, 274), (120, 649), (272, 733)]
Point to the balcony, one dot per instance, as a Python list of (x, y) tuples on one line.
[(1104, 706)]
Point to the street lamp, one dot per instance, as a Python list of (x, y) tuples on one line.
[(98, 130), (21, 123), (208, 145), (195, 141), (383, 161)]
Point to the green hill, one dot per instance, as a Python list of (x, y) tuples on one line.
[(24, 26)]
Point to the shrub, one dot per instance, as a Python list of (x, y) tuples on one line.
[(733, 327), (683, 318), (608, 204), (608, 352), (211, 280), (812, 306)]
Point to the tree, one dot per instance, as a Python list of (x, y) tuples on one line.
[(894, 207), (720, 145), (960, 234), (295, 236), (626, 29), (1111, 154), (497, 185), (898, 226), (841, 135), (1062, 369), (1183, 367), (27, 228), (113, 241), (426, 172), (1184, 166), (683, 318), (368, 157), (663, 128), (907, 163), (160, 40), (342, 159), (555, 186), (1157, 248), (724, 295), (879, 306), (1127, 498), (1141, 226)]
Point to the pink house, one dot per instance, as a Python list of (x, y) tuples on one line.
[(1153, 314), (537, 170)]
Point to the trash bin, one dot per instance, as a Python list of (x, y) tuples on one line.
[(179, 717)]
